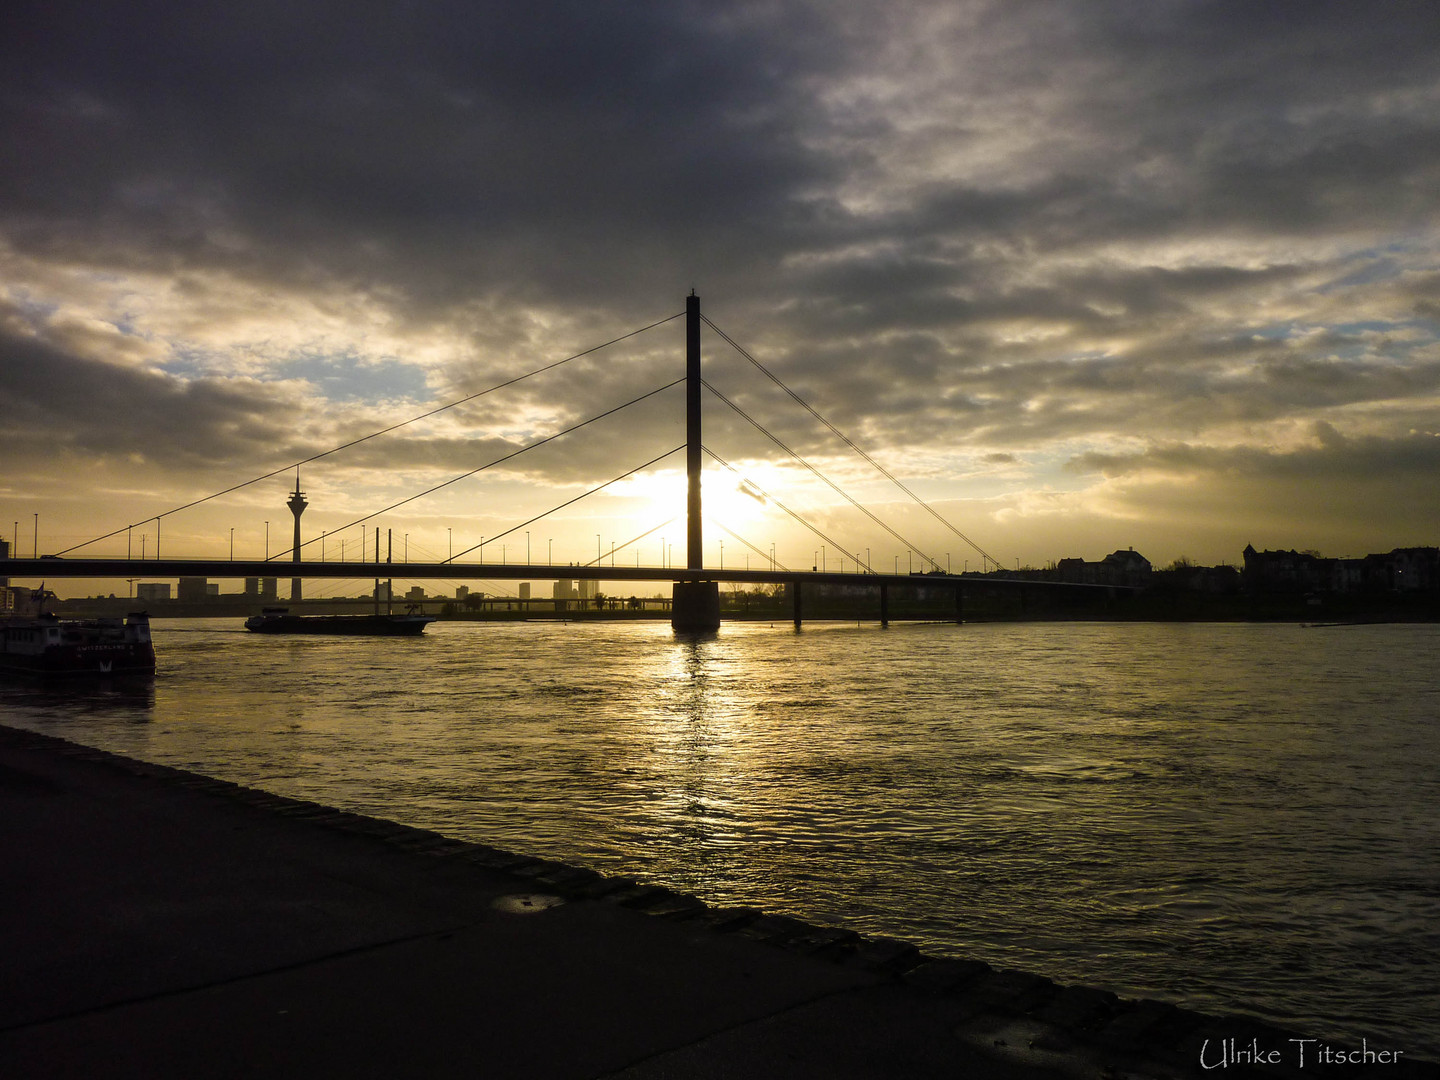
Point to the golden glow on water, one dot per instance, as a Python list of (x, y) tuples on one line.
[(1232, 817)]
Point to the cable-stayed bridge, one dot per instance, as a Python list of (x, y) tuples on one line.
[(695, 603)]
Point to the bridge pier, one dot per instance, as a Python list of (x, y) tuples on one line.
[(884, 605), (959, 604), (695, 607), (795, 598)]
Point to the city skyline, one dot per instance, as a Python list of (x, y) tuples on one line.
[(1083, 277)]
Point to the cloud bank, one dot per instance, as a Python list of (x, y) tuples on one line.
[(1088, 275)]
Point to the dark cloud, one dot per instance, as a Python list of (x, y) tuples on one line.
[(61, 405), (994, 230)]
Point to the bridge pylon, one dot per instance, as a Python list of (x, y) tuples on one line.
[(694, 605)]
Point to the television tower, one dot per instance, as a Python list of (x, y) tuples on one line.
[(297, 506)]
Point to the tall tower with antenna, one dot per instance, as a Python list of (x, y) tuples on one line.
[(297, 506)]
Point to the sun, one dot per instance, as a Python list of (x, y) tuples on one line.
[(734, 510)]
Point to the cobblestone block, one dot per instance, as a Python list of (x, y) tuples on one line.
[(604, 887), (677, 907), (775, 929), (1078, 1008), (826, 942), (639, 896), (886, 954), (1132, 1026), (1009, 991), (568, 878), (945, 976), (535, 868), (495, 859), (729, 920)]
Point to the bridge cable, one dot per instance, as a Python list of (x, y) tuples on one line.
[(482, 468), (763, 554), (814, 529), (372, 435), (849, 442), (633, 540), (577, 498), (776, 440)]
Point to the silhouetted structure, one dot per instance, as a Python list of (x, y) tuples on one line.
[(1128, 568), (695, 605), (297, 505), (1415, 569)]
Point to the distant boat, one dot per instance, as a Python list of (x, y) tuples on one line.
[(280, 621), (35, 642)]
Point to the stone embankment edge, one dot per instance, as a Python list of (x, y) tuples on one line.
[(1117, 1035)]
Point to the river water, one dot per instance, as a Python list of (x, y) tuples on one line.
[(1235, 818)]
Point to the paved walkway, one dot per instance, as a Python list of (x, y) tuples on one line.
[(158, 924)]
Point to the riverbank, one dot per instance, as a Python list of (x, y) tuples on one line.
[(158, 923)]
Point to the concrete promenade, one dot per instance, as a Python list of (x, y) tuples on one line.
[(158, 924)]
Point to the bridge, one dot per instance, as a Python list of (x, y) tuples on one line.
[(695, 600)]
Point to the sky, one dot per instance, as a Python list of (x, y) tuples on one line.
[(1082, 276)]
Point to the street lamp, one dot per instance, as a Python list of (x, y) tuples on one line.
[(267, 541), (527, 547), (232, 545), (450, 532), (550, 551), (722, 554)]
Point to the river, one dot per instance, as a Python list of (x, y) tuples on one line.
[(1232, 817)]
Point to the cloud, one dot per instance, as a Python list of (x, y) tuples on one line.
[(982, 237)]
